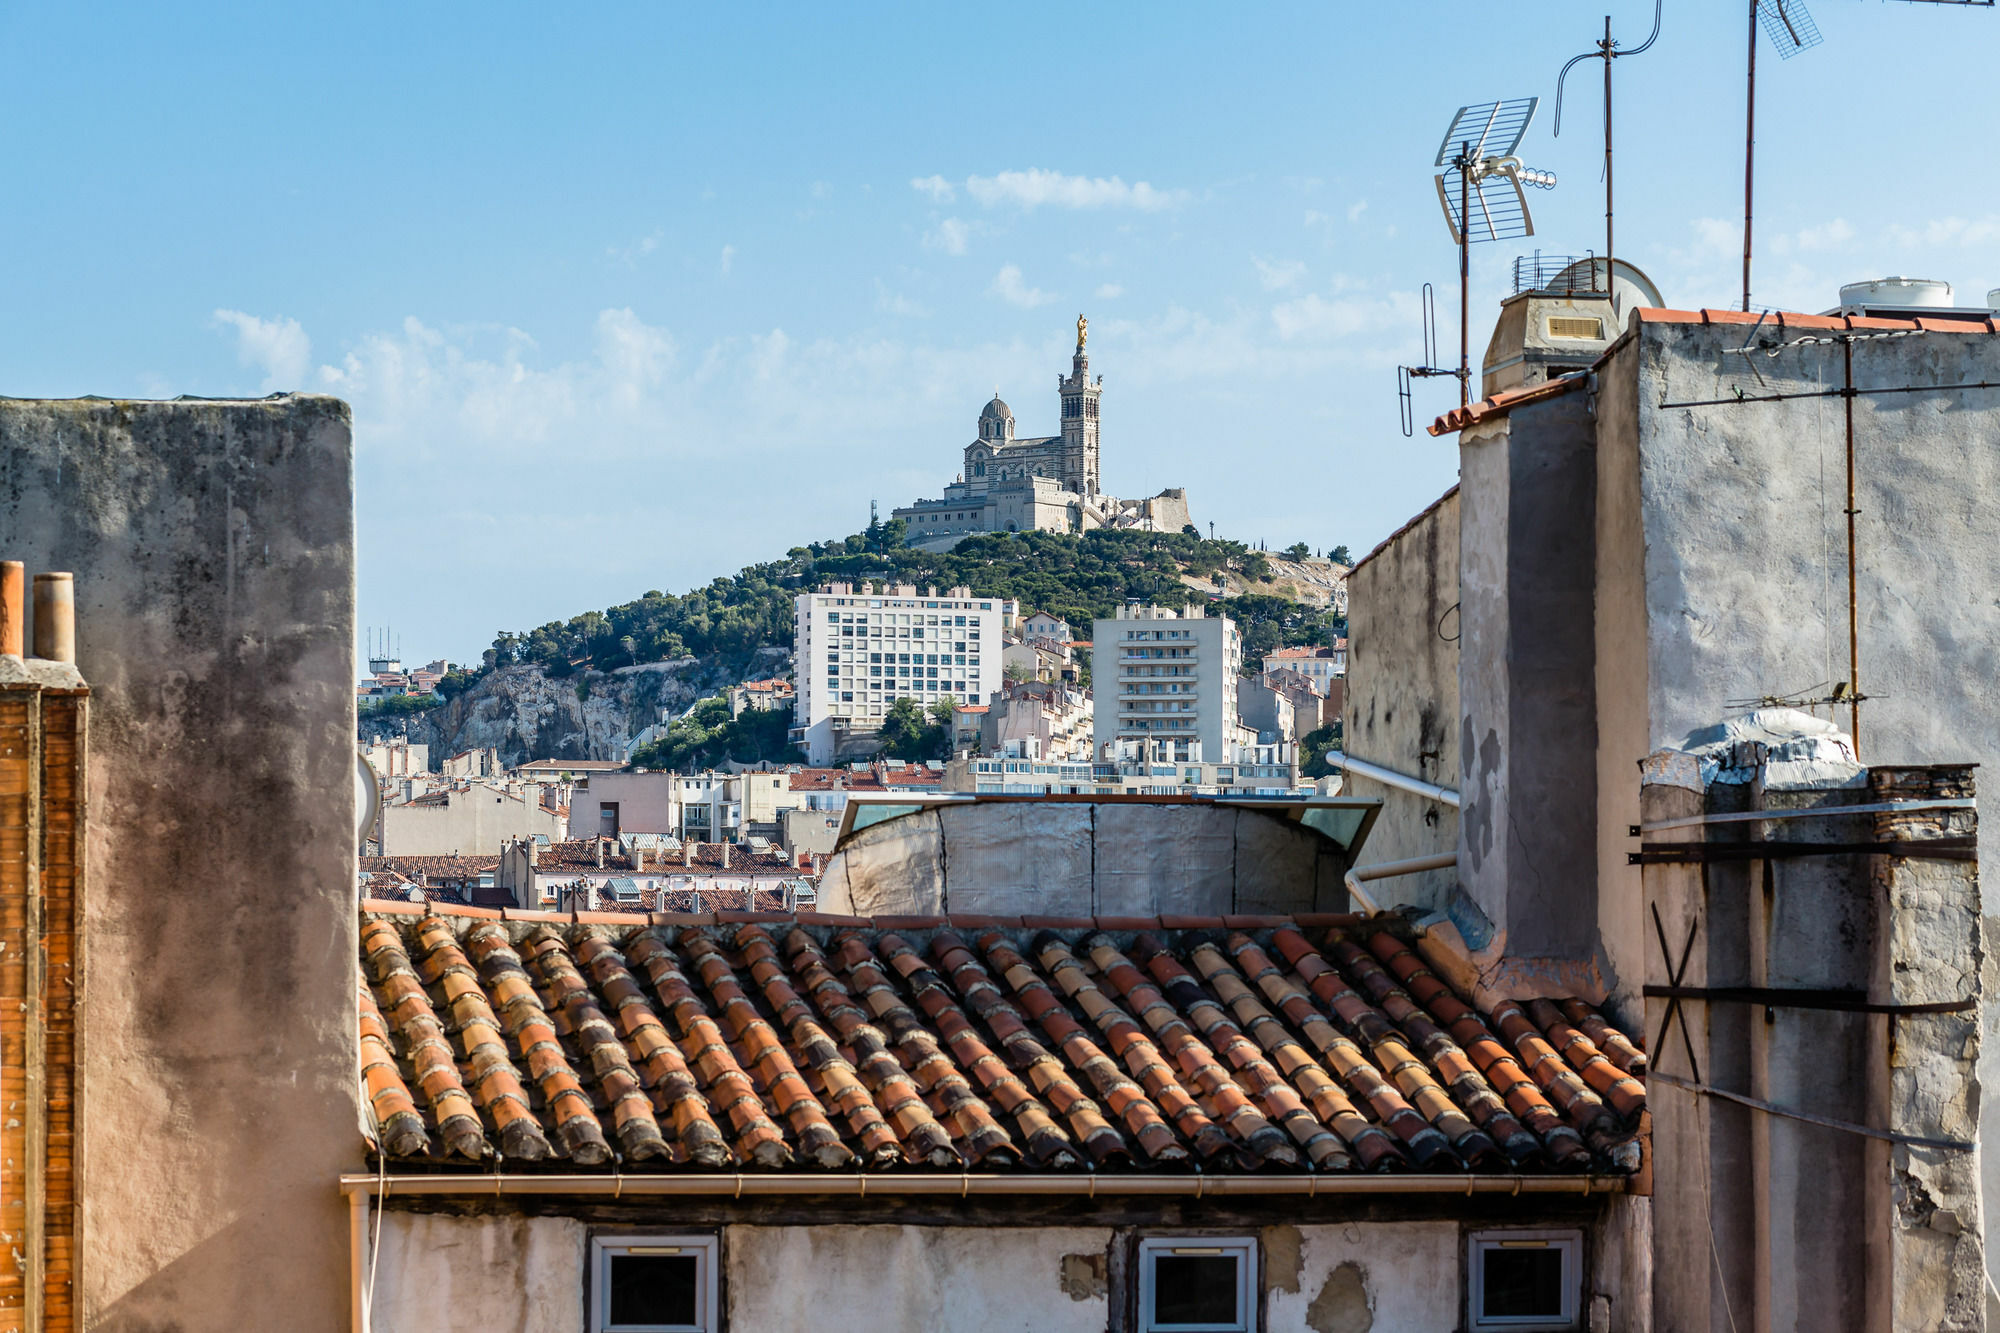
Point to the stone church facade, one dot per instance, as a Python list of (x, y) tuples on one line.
[(1014, 483)]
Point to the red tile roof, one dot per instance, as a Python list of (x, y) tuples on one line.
[(1500, 404), (432, 867), (839, 1043)]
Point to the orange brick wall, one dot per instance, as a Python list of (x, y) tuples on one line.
[(41, 831)]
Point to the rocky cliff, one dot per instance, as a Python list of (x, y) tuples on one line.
[(527, 714)]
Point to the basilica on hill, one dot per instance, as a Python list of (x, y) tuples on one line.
[(1014, 483)]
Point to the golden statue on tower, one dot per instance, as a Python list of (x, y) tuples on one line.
[(1082, 331)]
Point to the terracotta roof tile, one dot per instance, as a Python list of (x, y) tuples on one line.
[(852, 1044)]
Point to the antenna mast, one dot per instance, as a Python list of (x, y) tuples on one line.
[(1607, 51)]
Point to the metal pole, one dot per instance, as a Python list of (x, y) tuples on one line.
[(1464, 274), (1853, 615), (1749, 150), (1608, 251)]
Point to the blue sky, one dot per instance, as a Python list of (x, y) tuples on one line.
[(625, 297)]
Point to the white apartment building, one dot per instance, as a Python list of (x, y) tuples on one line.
[(1319, 665), (856, 651), (1165, 680)]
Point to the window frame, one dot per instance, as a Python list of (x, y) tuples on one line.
[(707, 1247), (1248, 1288), (1569, 1240)]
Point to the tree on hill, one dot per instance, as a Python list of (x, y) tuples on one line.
[(1314, 747), (912, 733), (1298, 551), (1339, 556), (707, 737)]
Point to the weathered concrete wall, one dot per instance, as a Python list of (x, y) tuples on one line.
[(1085, 858), (1402, 702), (213, 547), (966, 1279), (1726, 526), (1527, 688), (1389, 1275), (441, 1274)]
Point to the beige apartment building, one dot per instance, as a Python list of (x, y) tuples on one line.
[(1165, 685)]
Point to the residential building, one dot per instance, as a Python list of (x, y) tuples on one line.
[(564, 770), (393, 757), (1042, 625), (859, 650), (1322, 666), (1048, 482), (645, 873), (1057, 718), (1284, 705), (1167, 675), (608, 804), (1019, 771), (467, 818), (483, 762), (771, 695)]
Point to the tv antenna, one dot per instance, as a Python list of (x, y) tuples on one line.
[(1405, 400), (1791, 30), (1607, 51), (1481, 192)]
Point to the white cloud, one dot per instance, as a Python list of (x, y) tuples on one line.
[(1948, 231), (1280, 274), (1354, 211), (1109, 291), (1719, 236), (1315, 316), (1008, 286), (278, 347), (895, 303), (937, 187), (728, 259), (949, 236), (1036, 187), (1833, 235), (821, 190)]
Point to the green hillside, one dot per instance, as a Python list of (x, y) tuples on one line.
[(1078, 577)]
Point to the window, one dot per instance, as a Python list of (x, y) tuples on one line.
[(1524, 1280), (654, 1284), (1198, 1283)]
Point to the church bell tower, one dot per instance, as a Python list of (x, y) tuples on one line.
[(1080, 396)]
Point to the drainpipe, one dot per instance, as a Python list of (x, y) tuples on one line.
[(1390, 870), (1389, 777)]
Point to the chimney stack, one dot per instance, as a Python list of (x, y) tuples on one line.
[(55, 617), (600, 853), (725, 856), (13, 608)]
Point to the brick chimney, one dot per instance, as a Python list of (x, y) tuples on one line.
[(43, 728)]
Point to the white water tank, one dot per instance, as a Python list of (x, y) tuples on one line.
[(1993, 299), (1898, 293)]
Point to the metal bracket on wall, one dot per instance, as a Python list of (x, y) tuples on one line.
[(1674, 975), (1702, 853), (1848, 1001)]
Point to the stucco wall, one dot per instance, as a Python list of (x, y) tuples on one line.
[(213, 549), (880, 1279), (442, 1274), (1402, 693), (1723, 550), (471, 823)]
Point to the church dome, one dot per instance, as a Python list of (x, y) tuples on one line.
[(997, 411)]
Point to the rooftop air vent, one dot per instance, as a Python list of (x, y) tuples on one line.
[(1906, 298)]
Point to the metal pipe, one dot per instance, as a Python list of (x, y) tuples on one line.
[(1389, 777), (1749, 150), (964, 1185), (1817, 812), (1853, 614), (1609, 55), (1390, 870), (55, 617), (1465, 275), (357, 1247), (13, 608)]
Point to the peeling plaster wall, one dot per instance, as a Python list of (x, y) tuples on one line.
[(213, 548), (875, 1279), (443, 1274), (1402, 695), (1381, 1278), (1723, 551)]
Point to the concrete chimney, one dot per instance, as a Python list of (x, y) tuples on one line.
[(725, 856), (600, 853), (13, 608), (55, 617)]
